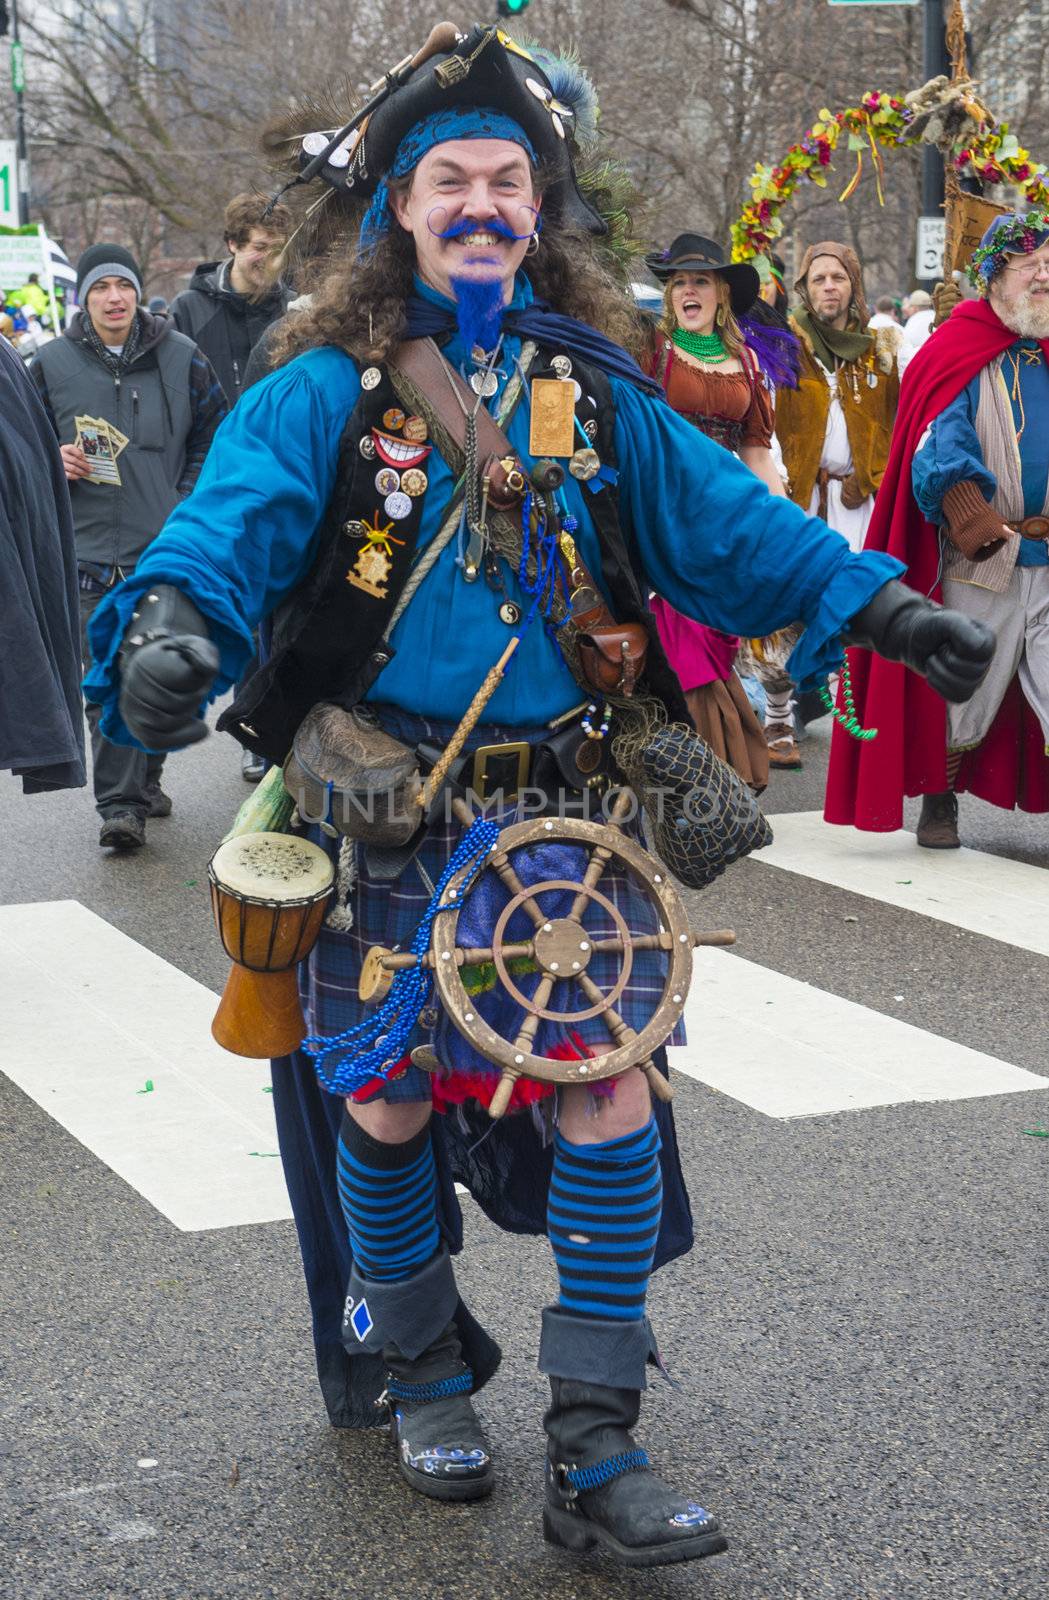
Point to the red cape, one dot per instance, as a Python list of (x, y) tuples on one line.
[(866, 782)]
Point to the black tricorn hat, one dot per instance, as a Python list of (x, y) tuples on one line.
[(550, 97), (691, 252)]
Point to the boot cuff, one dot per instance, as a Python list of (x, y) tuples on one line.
[(409, 1314), (597, 1350)]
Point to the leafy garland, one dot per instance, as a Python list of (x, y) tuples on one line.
[(1024, 231), (880, 121)]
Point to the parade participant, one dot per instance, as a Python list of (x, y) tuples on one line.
[(444, 258), (966, 505), (773, 291), (714, 378), (41, 719), (145, 401), (834, 429)]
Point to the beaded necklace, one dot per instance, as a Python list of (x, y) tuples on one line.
[(705, 347)]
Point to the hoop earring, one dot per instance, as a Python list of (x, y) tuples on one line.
[(719, 317), (533, 245)]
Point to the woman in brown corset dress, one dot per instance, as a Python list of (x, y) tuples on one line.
[(716, 372)]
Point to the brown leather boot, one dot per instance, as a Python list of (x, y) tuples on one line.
[(938, 823), (783, 747)]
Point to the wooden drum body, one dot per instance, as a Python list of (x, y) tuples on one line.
[(269, 896)]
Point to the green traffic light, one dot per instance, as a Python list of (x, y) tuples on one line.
[(512, 8)]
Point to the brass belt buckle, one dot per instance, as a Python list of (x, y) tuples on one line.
[(520, 750), (1035, 528)]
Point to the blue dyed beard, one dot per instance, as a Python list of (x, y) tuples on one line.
[(478, 311)]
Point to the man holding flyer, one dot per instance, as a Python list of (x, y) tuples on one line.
[(135, 406)]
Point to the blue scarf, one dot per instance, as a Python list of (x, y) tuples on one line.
[(429, 319)]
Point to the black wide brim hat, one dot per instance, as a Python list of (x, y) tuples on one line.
[(692, 252), (550, 97)]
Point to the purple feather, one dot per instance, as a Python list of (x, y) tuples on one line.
[(777, 350)]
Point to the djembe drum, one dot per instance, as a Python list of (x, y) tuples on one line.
[(269, 895)]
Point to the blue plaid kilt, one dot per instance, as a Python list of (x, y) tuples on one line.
[(388, 913)]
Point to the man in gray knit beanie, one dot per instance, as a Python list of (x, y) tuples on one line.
[(124, 374)]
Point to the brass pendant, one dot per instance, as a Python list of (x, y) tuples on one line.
[(584, 465)]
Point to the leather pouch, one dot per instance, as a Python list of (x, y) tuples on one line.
[(567, 759), (612, 656)]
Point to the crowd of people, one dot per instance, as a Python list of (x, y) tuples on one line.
[(741, 490)]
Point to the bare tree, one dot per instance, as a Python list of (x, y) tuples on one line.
[(145, 125)]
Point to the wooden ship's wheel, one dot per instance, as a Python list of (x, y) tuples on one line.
[(562, 950)]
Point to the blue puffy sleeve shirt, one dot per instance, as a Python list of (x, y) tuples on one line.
[(708, 534)]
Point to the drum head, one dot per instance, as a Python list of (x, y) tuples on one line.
[(272, 866)]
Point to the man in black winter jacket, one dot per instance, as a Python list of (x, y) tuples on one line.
[(120, 365), (230, 304), (228, 307)]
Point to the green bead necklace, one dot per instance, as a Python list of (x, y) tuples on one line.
[(848, 718), (706, 347)]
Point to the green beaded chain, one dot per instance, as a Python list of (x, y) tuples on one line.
[(706, 347), (848, 718)]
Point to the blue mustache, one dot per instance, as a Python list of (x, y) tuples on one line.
[(495, 225)]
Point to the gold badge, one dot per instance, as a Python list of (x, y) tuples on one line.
[(393, 420), (371, 570), (553, 418), (414, 482), (415, 430)]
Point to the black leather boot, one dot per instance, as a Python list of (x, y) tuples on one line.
[(441, 1445), (600, 1489), (938, 823), (413, 1326)]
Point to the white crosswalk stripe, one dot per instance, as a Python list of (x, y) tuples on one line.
[(985, 894), (790, 1050), (91, 1019), (115, 1044)]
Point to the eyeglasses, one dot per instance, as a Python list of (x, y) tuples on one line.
[(1030, 268)]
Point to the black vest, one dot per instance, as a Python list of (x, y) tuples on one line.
[(327, 635)]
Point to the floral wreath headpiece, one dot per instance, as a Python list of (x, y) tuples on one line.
[(1016, 235)]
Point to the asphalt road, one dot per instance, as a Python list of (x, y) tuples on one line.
[(858, 1338)]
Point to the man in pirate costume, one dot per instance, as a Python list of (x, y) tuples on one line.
[(833, 428), (297, 518), (965, 503)]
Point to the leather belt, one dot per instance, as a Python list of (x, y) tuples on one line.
[(1034, 528), (823, 478), (569, 772)]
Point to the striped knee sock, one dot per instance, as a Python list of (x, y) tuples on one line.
[(603, 1219), (388, 1194)]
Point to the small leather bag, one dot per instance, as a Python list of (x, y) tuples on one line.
[(612, 656), (353, 778)]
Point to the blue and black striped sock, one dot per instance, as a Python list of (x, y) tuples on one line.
[(388, 1194), (603, 1220)]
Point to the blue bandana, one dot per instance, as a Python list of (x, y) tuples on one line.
[(472, 122)]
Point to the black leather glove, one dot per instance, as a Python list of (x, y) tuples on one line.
[(948, 649), (167, 666)]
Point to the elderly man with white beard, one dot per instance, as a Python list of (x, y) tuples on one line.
[(972, 446)]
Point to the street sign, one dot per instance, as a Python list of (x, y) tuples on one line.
[(872, 2), (8, 184), (17, 66), (928, 256)]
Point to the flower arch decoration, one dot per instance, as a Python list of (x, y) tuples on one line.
[(985, 150)]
